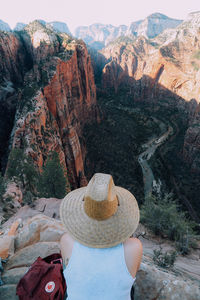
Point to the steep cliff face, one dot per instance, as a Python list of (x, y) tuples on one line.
[(153, 25), (57, 26), (164, 69), (57, 99), (100, 35), (12, 58), (141, 64), (13, 65)]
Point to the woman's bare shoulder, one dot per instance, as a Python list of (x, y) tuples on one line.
[(133, 254), (66, 238), (66, 246), (134, 244)]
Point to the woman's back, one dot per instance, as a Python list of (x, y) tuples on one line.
[(102, 217), (96, 274)]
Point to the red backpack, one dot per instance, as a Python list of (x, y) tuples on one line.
[(44, 280)]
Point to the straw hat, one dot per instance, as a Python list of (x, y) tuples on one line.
[(100, 215)]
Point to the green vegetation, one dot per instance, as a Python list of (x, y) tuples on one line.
[(21, 168), (123, 39), (168, 165), (36, 25), (2, 186), (53, 182), (197, 55), (163, 216), (114, 145), (164, 259), (195, 65)]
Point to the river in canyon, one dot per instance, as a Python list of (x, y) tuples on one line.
[(150, 184), (150, 147)]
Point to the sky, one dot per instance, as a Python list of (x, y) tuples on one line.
[(85, 12)]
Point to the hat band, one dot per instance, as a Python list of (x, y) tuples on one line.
[(100, 210)]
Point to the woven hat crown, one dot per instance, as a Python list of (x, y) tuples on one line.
[(100, 200)]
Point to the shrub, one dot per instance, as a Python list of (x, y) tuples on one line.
[(28, 198), (2, 186), (53, 182), (164, 218), (164, 259), (21, 167), (185, 243)]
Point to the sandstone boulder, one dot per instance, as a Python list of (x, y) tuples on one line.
[(152, 283), (39, 228), (40, 236), (26, 256)]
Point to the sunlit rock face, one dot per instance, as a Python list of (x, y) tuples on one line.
[(172, 65), (56, 26), (152, 26), (100, 35), (4, 26), (55, 101), (59, 27), (166, 69)]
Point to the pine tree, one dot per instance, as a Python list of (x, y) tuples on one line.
[(2, 186), (21, 167), (53, 181)]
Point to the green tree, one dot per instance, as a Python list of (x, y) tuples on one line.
[(52, 182), (21, 167), (165, 218), (2, 186)]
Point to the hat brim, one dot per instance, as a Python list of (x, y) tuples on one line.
[(100, 234)]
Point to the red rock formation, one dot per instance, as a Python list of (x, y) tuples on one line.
[(60, 111), (165, 69), (132, 64)]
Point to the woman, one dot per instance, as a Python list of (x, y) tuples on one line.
[(100, 257)]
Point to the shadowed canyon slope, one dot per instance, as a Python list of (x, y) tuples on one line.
[(161, 70), (54, 95), (145, 86)]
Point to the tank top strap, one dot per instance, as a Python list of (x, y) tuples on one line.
[(98, 273)]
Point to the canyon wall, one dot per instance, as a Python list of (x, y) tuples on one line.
[(56, 97), (164, 70)]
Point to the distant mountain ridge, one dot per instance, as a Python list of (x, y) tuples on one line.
[(150, 27), (57, 26), (99, 35), (54, 25), (4, 26)]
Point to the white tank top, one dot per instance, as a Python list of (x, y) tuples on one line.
[(98, 274)]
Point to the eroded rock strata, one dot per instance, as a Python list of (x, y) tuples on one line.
[(163, 70), (56, 99)]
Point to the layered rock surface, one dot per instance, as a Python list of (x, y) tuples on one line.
[(39, 235), (165, 69), (57, 98)]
